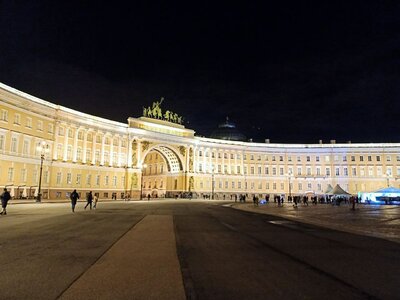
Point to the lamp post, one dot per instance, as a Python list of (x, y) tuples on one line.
[(141, 181), (387, 178), (42, 148), (290, 187), (212, 184)]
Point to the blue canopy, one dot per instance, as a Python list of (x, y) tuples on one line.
[(388, 190)]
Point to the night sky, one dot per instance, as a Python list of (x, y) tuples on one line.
[(290, 71)]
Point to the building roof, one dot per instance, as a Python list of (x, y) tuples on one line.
[(228, 131)]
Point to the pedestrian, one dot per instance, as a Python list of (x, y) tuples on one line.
[(5, 196), (148, 197), (295, 201), (95, 198), (255, 200), (89, 200), (74, 198)]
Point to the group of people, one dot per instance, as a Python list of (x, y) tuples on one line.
[(89, 200)]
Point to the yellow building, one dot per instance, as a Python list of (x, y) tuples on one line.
[(89, 153)]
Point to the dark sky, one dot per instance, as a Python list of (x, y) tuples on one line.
[(291, 71)]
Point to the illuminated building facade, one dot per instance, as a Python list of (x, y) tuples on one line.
[(89, 153)]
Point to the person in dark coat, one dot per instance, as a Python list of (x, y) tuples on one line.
[(74, 198), (5, 196), (89, 200)]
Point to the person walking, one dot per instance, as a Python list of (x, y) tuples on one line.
[(89, 200), (5, 196), (74, 198), (95, 199)]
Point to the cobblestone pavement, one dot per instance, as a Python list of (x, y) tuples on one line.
[(382, 221)]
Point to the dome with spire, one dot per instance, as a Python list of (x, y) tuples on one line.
[(228, 131)]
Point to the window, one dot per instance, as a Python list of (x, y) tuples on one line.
[(79, 154), (80, 135), (337, 171), (97, 179), (354, 171), (69, 178), (29, 122), (17, 119), (233, 184), (226, 184), (259, 170), (362, 171), (318, 171), (344, 158), (289, 158), (300, 186), (379, 171), (273, 158), (281, 171), (25, 147), (106, 180), (274, 185), (58, 180), (309, 186), (280, 158), (266, 171), (97, 156), (200, 153), (88, 155), (328, 171), (345, 171), (369, 158), (88, 179), (252, 170), (50, 128), (114, 180), (69, 152), (70, 133), (23, 175), (336, 158), (46, 176), (370, 171), (361, 158), (251, 157), (259, 157), (2, 142), (282, 186), (353, 158), (327, 159), (238, 169), (14, 144), (298, 159), (273, 171), (298, 170), (308, 158), (78, 178), (59, 151), (378, 158), (4, 115), (40, 125), (10, 176), (308, 171), (388, 158), (98, 139), (267, 185), (317, 158)]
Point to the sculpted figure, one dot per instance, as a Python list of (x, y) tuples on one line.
[(166, 115), (144, 112), (149, 112)]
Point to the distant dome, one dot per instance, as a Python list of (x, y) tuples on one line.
[(228, 131)]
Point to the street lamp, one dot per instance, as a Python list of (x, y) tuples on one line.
[(42, 148), (212, 184), (143, 167), (290, 187), (387, 175)]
